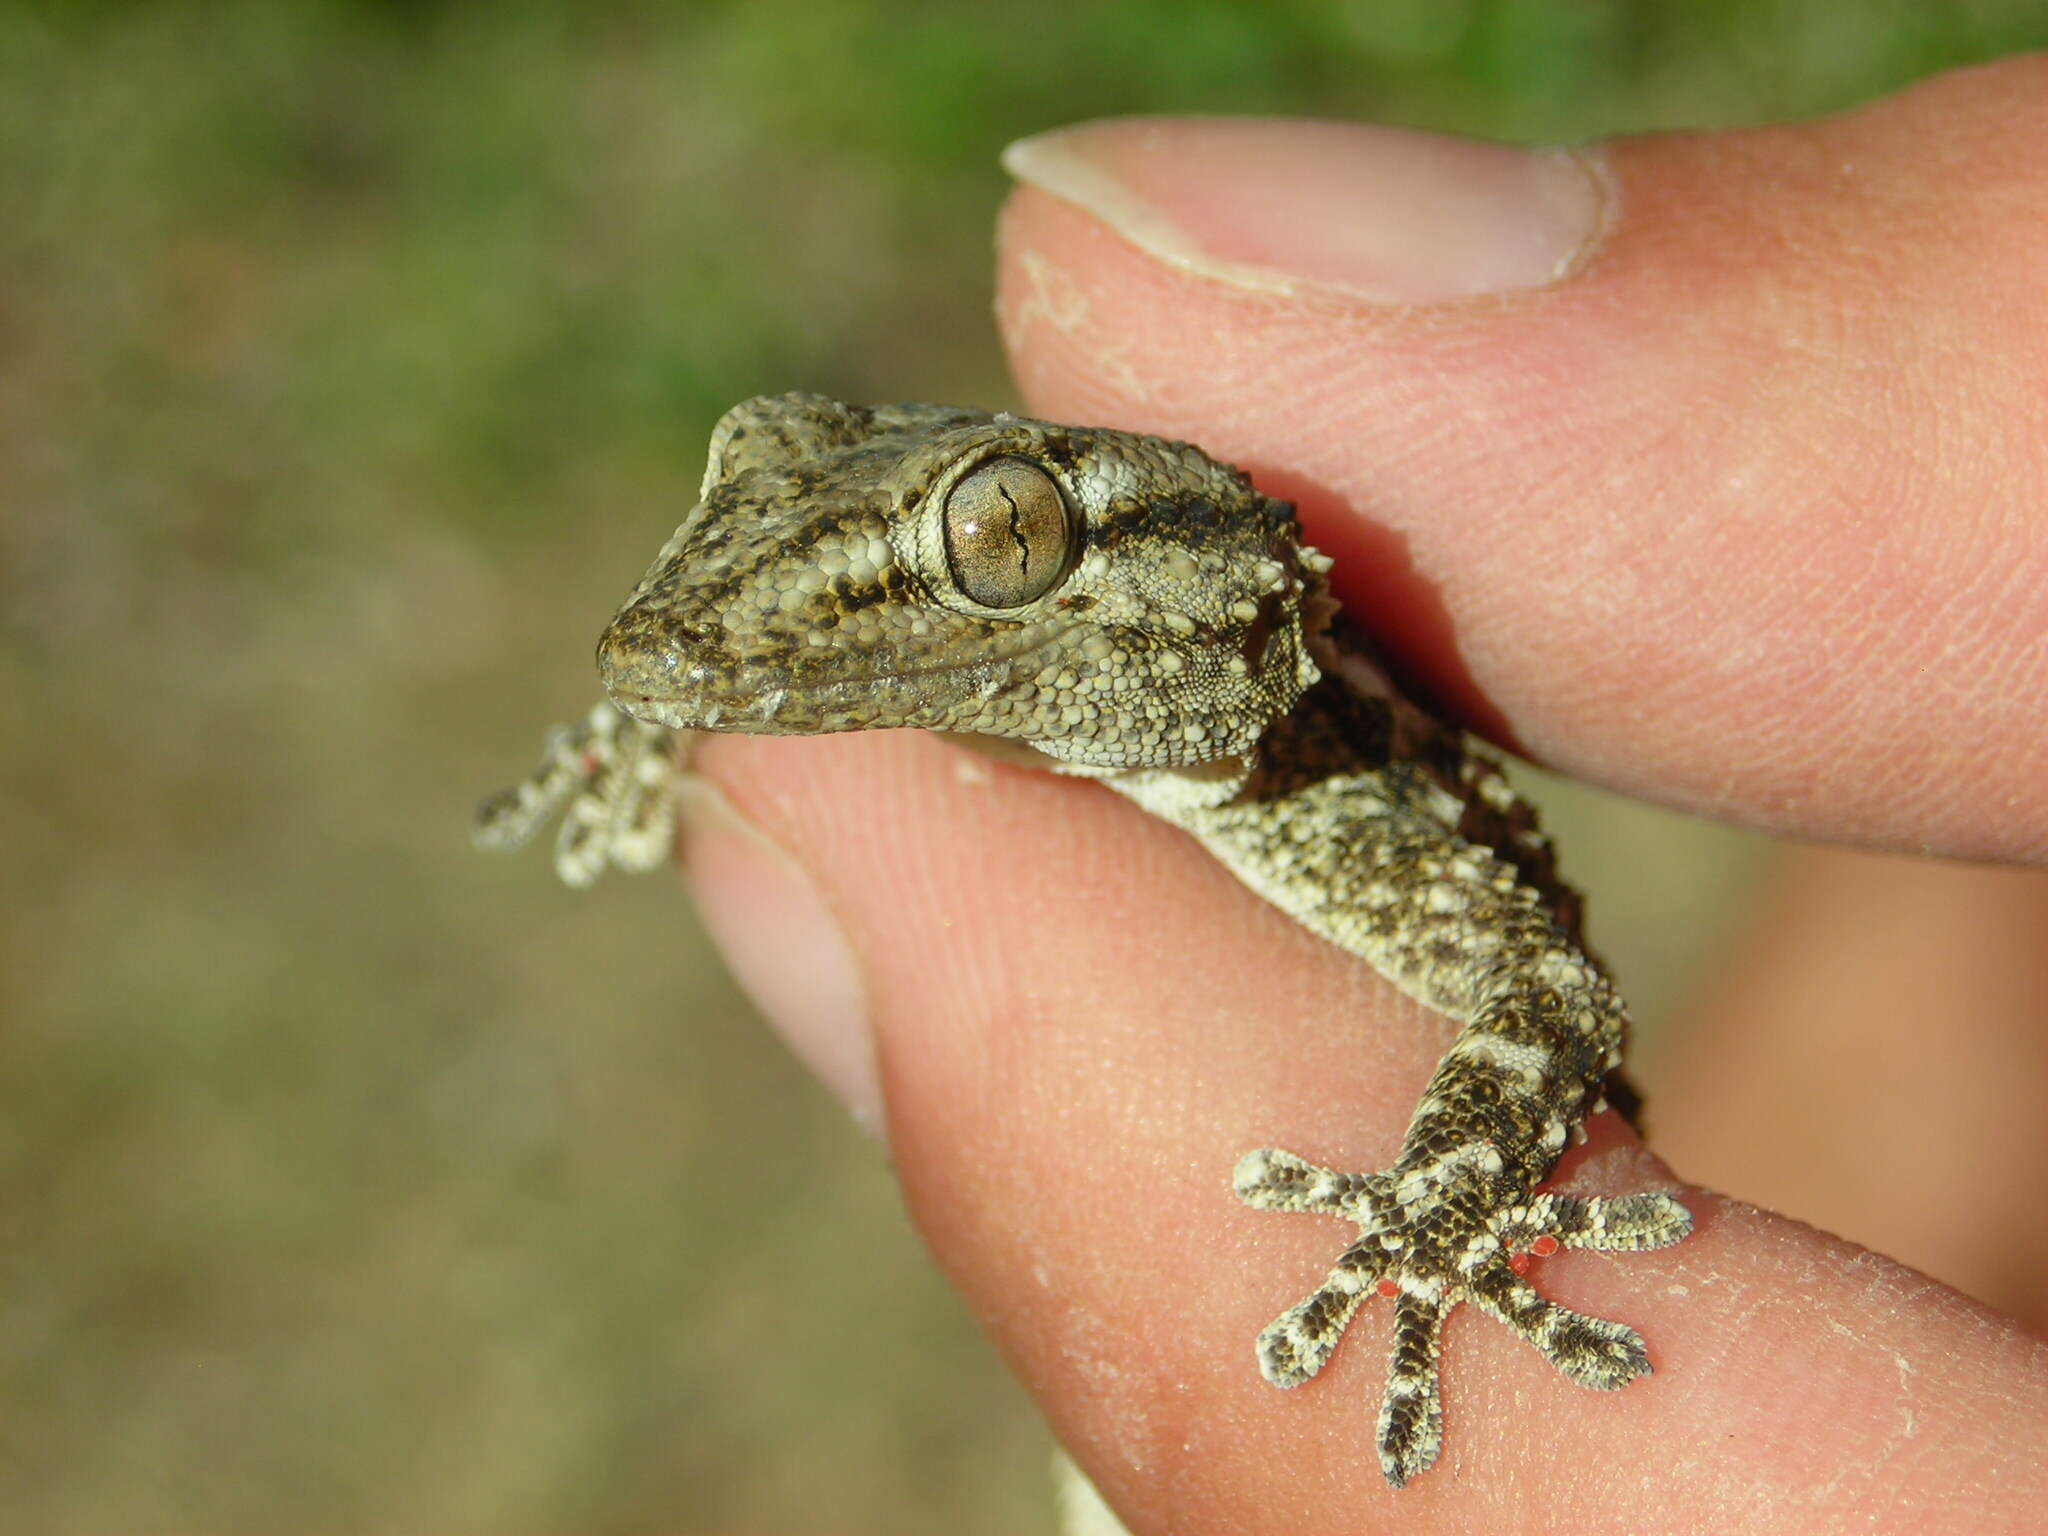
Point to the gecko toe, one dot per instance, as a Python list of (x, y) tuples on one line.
[(1299, 1342), (1622, 1224), (1411, 1433), (1594, 1352), (1411, 1422), (1636, 1222), (1590, 1350), (1272, 1180)]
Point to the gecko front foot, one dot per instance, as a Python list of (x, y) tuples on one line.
[(1428, 1244), (612, 773)]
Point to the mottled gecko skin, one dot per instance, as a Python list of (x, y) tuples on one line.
[(1136, 612)]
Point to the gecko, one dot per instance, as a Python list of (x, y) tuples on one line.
[(1128, 609)]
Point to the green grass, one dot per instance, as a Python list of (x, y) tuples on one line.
[(352, 360)]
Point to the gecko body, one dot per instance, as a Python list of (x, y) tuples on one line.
[(1131, 610)]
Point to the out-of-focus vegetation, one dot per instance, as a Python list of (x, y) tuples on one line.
[(353, 358)]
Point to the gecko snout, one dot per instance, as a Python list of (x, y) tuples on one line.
[(641, 663)]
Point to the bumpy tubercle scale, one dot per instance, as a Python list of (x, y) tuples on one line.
[(1189, 657)]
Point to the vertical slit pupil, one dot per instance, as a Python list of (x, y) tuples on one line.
[(1008, 534)]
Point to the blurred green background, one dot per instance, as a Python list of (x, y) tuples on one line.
[(354, 358)]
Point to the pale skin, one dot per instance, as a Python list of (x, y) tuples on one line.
[(1800, 384)]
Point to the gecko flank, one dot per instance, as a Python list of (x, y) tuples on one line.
[(1133, 611)]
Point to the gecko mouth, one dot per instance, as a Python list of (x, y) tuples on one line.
[(688, 686)]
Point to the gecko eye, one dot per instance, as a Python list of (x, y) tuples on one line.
[(1008, 534)]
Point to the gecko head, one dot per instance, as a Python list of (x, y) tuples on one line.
[(1113, 600)]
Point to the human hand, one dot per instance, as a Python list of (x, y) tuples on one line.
[(1743, 514)]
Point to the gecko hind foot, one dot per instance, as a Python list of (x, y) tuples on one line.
[(612, 773)]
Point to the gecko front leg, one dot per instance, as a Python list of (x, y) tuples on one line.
[(611, 779), (1352, 816)]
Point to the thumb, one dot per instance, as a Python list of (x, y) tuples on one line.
[(1707, 466)]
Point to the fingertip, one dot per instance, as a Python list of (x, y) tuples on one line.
[(1385, 215)]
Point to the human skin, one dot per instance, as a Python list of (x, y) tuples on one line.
[(1741, 513)]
